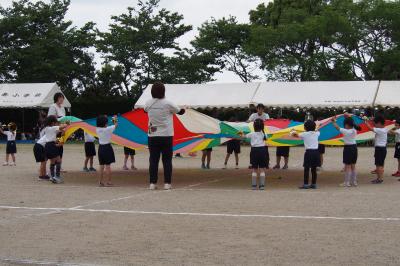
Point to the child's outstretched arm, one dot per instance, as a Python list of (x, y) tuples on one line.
[(368, 125), (334, 123)]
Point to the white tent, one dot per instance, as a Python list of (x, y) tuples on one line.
[(317, 94), (388, 94), (206, 95), (29, 95)]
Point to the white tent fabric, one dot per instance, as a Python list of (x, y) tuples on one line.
[(388, 94), (206, 95), (317, 94), (29, 95)]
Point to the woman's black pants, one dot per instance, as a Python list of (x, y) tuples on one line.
[(160, 146)]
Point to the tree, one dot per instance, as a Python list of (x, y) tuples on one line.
[(225, 39), (37, 44), (138, 41)]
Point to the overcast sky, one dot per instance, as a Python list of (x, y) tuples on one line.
[(195, 12)]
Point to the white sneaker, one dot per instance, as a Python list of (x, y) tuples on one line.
[(153, 187), (354, 184), (12, 164), (5, 164), (344, 185), (167, 187), (57, 180)]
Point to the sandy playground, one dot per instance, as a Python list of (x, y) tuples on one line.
[(211, 217)]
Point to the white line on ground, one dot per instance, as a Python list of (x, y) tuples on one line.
[(306, 217), (39, 262)]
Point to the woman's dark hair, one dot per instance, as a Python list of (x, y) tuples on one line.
[(158, 90), (102, 121), (57, 96), (310, 125), (259, 126), (379, 119), (50, 120), (350, 122)]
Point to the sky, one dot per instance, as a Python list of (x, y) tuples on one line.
[(195, 12)]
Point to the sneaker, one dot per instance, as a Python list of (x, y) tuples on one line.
[(276, 167), (304, 187), (12, 164), (344, 185), (313, 186), (354, 184), (91, 169), (57, 180), (377, 181), (203, 166), (45, 177), (285, 167), (85, 169), (125, 168), (167, 187), (261, 187), (5, 164), (254, 187), (153, 187), (397, 174), (208, 167), (133, 168)]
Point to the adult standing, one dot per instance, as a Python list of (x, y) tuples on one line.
[(160, 133), (57, 109), (260, 114)]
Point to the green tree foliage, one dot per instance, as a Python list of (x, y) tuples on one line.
[(141, 41), (37, 44), (224, 39)]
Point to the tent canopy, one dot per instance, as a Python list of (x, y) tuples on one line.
[(388, 94), (206, 95), (29, 95), (317, 94)]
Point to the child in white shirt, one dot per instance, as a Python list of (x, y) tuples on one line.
[(106, 153), (312, 158), (258, 154), (350, 152), (11, 148), (90, 152), (381, 134)]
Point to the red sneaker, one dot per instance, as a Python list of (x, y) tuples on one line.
[(396, 173)]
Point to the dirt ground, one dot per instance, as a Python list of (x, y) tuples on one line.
[(211, 217)]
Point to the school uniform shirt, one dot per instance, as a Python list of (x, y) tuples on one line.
[(256, 139), (51, 133), (56, 110), (42, 141), (89, 138), (10, 135), (349, 136), (104, 134), (397, 135), (381, 136), (310, 139), (160, 112), (255, 116)]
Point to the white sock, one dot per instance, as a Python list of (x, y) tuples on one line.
[(254, 179), (353, 177), (347, 176), (262, 179)]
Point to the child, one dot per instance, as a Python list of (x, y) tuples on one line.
[(40, 156), (90, 152), (350, 152), (206, 155), (396, 132), (52, 149), (258, 154), (232, 146), (380, 146), (106, 152), (129, 153), (311, 156), (282, 151), (11, 148)]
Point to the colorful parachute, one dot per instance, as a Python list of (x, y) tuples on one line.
[(195, 131)]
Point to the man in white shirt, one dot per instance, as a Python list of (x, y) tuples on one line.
[(259, 114)]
